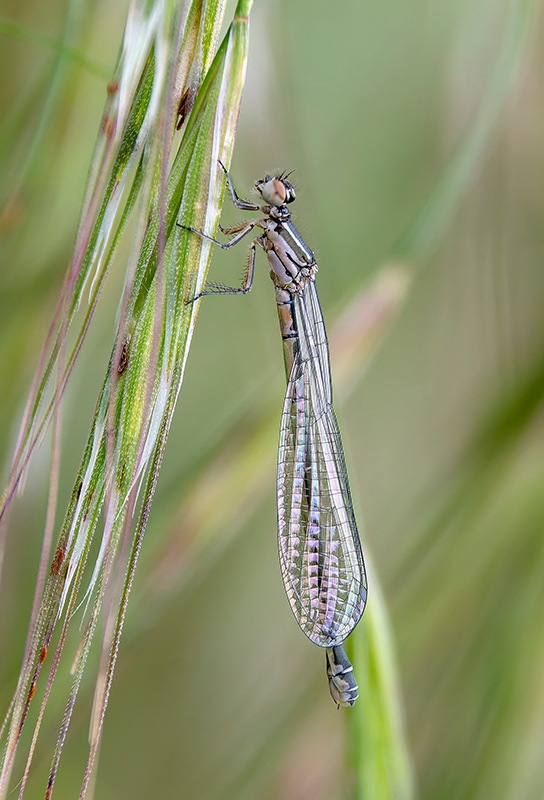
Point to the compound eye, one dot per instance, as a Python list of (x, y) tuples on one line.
[(290, 193), (273, 191)]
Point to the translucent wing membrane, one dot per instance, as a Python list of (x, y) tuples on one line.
[(320, 553)]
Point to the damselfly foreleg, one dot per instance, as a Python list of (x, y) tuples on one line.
[(239, 202)]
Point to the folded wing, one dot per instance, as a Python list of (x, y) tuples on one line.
[(320, 552)]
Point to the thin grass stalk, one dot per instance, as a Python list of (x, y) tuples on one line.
[(378, 753), (128, 420), (127, 125)]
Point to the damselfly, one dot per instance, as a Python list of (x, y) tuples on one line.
[(320, 553)]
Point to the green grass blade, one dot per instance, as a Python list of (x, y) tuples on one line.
[(135, 407)]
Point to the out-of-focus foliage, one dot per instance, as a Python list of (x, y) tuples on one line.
[(415, 130)]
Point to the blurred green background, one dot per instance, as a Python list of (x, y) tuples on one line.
[(415, 131)]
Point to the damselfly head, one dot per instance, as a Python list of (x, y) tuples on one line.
[(276, 191)]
